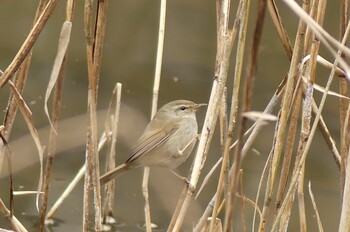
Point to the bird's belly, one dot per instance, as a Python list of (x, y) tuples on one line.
[(173, 152), (179, 151)]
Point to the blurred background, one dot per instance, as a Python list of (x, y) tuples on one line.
[(187, 73)]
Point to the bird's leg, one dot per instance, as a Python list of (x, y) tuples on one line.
[(187, 145), (187, 182)]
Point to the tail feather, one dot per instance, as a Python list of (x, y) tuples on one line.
[(113, 173)]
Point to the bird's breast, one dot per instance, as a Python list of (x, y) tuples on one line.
[(181, 144)]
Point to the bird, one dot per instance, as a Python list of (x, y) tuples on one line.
[(167, 140)]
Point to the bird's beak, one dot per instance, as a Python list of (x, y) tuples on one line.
[(197, 106)]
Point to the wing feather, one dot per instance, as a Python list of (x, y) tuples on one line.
[(150, 141)]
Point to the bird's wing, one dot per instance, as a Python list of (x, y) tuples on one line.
[(149, 141)]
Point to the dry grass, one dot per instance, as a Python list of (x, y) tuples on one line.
[(282, 182)]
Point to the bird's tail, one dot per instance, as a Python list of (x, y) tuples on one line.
[(113, 173)]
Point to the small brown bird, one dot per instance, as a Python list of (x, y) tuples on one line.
[(167, 140)]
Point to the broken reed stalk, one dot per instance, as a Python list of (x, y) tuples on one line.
[(157, 76), (112, 122), (56, 79), (225, 41), (94, 35)]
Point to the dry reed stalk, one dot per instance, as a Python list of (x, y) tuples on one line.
[(147, 210), (344, 224), (157, 75), (90, 148), (223, 178), (322, 126), (327, 136), (344, 104), (242, 199), (253, 62), (205, 215), (255, 130), (296, 174), (217, 225), (112, 126), (94, 34), (225, 42), (309, 101), (317, 11), (312, 12), (285, 109), (259, 188), (320, 227), (339, 72), (177, 210), (301, 204), (223, 121), (282, 32), (51, 147), (242, 17), (329, 42), (260, 122), (230, 193), (289, 147), (345, 168), (56, 79)]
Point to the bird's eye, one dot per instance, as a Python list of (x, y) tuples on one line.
[(183, 108)]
